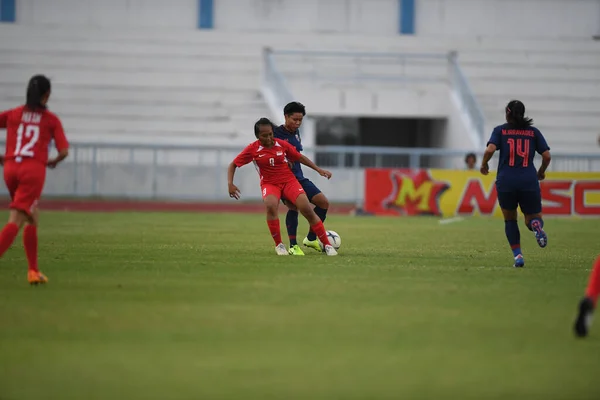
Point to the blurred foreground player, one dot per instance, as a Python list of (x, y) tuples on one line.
[(588, 303), (271, 158), (29, 130), (517, 180), (294, 113)]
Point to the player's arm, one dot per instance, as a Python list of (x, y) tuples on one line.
[(3, 124), (294, 155), (541, 146), (4, 119), (234, 192), (546, 158), (308, 162), (242, 159), (61, 143), (492, 146), (487, 156)]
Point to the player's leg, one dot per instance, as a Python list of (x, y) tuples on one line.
[(305, 208), (271, 195), (531, 206), (508, 203), (588, 302), (291, 223), (16, 218), (30, 190), (321, 203)]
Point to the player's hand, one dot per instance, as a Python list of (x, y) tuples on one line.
[(234, 192), (52, 164), (290, 164), (541, 175), (485, 169), (325, 173)]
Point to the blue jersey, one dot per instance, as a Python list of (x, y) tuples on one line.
[(294, 139), (517, 149)]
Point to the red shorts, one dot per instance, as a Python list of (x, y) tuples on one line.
[(25, 182), (290, 190)]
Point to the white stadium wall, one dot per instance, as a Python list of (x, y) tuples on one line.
[(325, 16), (509, 18), (173, 14), (468, 18)]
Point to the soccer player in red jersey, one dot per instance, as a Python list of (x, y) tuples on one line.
[(29, 130), (588, 303), (271, 157)]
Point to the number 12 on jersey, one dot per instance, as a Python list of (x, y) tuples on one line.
[(27, 137), (518, 147)]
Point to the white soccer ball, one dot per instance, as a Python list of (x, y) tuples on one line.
[(334, 239)]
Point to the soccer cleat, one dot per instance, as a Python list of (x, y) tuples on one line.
[(313, 244), (35, 277), (540, 235), (584, 318), (519, 261), (281, 250), (295, 250), (330, 251)]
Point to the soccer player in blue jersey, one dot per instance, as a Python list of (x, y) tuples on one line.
[(294, 113), (517, 179)]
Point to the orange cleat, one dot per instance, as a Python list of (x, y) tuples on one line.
[(35, 277)]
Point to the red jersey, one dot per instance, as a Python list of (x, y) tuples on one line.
[(272, 163), (29, 133)]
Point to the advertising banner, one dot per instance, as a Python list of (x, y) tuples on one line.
[(447, 193)]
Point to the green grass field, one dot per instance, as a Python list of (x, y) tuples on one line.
[(198, 306)]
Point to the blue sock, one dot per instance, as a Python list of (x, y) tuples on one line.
[(322, 213), (541, 221), (511, 228), (291, 222)]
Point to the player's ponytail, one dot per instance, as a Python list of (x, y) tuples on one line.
[(515, 114), (38, 87)]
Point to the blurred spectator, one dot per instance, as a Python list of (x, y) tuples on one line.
[(471, 161)]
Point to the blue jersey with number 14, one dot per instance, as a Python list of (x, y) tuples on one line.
[(517, 148)]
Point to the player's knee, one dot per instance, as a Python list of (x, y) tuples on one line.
[(306, 210), (324, 203), (18, 217)]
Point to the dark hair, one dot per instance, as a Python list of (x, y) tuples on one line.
[(261, 122), (515, 114), (37, 88), (294, 107), (470, 155)]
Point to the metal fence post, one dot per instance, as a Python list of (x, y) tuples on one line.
[(218, 175), (154, 172), (94, 170), (413, 160), (356, 177), (75, 172)]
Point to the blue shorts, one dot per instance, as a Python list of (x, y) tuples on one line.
[(310, 188), (529, 200)]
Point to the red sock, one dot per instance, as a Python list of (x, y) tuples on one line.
[(275, 231), (7, 236), (593, 288), (319, 229), (30, 241)]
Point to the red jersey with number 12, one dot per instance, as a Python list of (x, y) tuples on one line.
[(29, 133), (272, 163)]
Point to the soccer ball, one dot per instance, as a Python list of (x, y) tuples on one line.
[(334, 239)]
